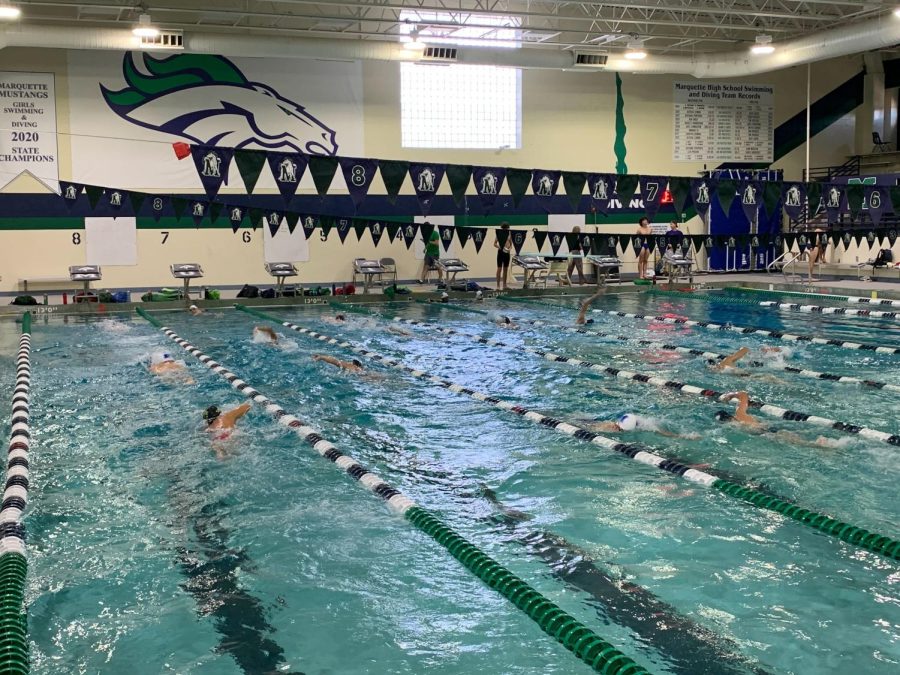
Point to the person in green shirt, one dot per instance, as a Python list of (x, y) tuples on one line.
[(432, 254)]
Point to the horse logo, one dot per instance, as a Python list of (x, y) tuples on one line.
[(309, 222), (237, 215), (834, 198), (115, 199), (426, 180), (198, 209), (545, 186), (207, 100), (749, 195), (287, 171), (792, 198), (703, 193), (71, 193), (212, 164), (599, 192), (274, 218), (376, 229), (489, 184)]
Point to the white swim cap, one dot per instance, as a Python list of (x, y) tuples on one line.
[(160, 357), (193, 307), (627, 422)]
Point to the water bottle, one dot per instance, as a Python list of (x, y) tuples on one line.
[(332, 290), (45, 299)]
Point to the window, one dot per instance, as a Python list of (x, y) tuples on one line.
[(460, 106)]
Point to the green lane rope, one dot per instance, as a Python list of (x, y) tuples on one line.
[(458, 308), (599, 654), (856, 536)]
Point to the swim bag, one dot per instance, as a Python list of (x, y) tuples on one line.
[(24, 300)]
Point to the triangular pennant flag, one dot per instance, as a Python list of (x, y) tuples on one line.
[(137, 201), (179, 204), (410, 230), (426, 180), (652, 189), (518, 180), (518, 239), (895, 199), (393, 173), (292, 218), (343, 228), (772, 198), (325, 224), (834, 202), (892, 236), (814, 197), (556, 240), (845, 238), (701, 189), (750, 193), (446, 232), (540, 236), (322, 168), (875, 200), (574, 182), (857, 238), (392, 230), (793, 200), (601, 186), (236, 216), (273, 221), (488, 181), (462, 233), (625, 187), (871, 240), (93, 194), (725, 192), (309, 226), (198, 211), (212, 166), (287, 169), (698, 241), (790, 239), (855, 196), (573, 241), (215, 210), (360, 226), (256, 217), (637, 243), (376, 229), (426, 229), (250, 164), (157, 206), (477, 235), (612, 242), (69, 192), (358, 174), (458, 176), (679, 188), (544, 185)]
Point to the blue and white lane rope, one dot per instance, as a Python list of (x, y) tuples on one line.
[(568, 631), (673, 385), (820, 309), (747, 330), (15, 495), (855, 536)]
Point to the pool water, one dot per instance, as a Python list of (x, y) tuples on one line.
[(151, 554)]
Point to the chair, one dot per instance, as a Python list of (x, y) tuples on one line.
[(186, 272), (561, 269), (879, 145), (885, 258), (368, 270), (390, 268), (280, 271), (85, 274)]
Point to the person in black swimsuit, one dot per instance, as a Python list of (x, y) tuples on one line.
[(576, 263), (816, 250), (503, 257)]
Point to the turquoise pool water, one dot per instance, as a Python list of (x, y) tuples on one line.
[(148, 554)]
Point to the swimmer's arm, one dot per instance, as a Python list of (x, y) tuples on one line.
[(328, 359), (731, 359), (235, 414), (603, 426)]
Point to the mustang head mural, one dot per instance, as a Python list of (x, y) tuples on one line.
[(207, 100)]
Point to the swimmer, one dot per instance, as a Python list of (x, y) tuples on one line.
[(632, 422), (354, 366), (731, 359), (585, 306), (506, 322), (195, 311), (479, 296), (221, 425), (337, 320), (727, 365), (167, 367), (264, 334), (754, 426), (398, 331)]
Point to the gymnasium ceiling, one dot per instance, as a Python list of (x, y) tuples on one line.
[(667, 26)]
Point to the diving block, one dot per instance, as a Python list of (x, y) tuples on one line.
[(85, 274), (186, 272), (368, 270), (605, 266), (678, 265), (450, 267), (280, 271), (531, 265)]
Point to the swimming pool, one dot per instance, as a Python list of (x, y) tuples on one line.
[(149, 554)]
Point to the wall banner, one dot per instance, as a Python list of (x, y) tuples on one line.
[(28, 128)]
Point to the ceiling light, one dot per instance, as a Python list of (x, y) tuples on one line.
[(8, 11), (897, 12), (413, 43), (636, 50), (763, 45), (143, 28)]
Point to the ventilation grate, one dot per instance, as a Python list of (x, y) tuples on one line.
[(439, 54), (167, 39), (590, 59)]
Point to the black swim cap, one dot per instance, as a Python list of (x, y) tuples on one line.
[(357, 363), (589, 321), (724, 416), (211, 413), (340, 317)]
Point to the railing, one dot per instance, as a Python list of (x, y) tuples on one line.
[(826, 173)]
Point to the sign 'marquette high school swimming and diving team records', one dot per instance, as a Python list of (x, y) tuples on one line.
[(723, 122), (28, 127)]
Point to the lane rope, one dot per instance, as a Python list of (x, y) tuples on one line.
[(672, 385), (854, 299), (568, 631), (851, 534), (819, 309), (14, 658)]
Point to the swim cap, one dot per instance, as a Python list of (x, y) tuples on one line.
[(193, 307), (724, 416), (627, 422), (340, 317), (506, 320), (211, 413), (357, 363)]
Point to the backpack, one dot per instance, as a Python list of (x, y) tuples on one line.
[(24, 300), (268, 293), (248, 291), (884, 257), (211, 294)]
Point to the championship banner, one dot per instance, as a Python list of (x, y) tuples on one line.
[(518, 180), (574, 183), (793, 199), (601, 188), (322, 169), (212, 165), (625, 187), (28, 128), (287, 171), (488, 182), (426, 180), (462, 233), (458, 176), (249, 164), (544, 185), (409, 232), (115, 199), (358, 174), (343, 228), (540, 236), (157, 206), (393, 173), (726, 190)]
